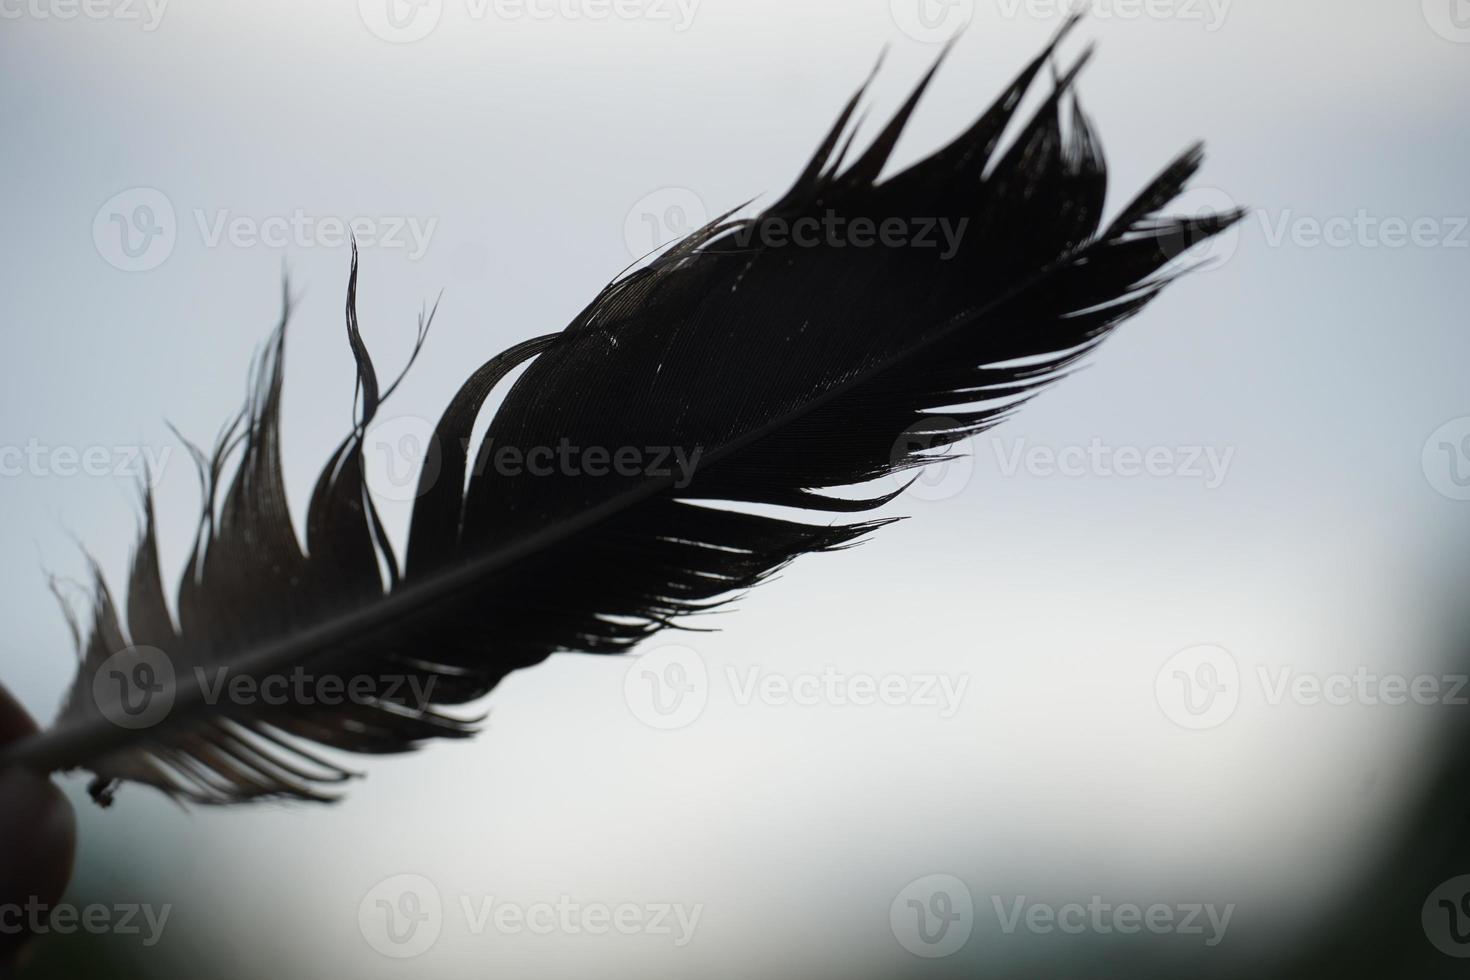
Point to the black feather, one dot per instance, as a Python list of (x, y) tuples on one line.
[(791, 370)]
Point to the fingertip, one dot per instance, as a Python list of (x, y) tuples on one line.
[(39, 818), (38, 826), (15, 721)]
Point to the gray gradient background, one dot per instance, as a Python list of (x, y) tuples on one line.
[(531, 142)]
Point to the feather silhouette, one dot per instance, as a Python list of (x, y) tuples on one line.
[(790, 354)]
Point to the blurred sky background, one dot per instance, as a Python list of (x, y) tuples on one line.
[(542, 153)]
